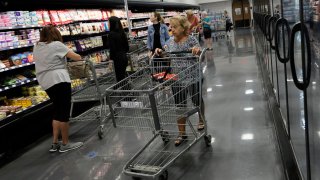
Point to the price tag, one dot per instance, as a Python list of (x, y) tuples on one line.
[(28, 81), (19, 46), (24, 26), (11, 48), (14, 85), (13, 67), (10, 28), (22, 83), (6, 88), (20, 66)]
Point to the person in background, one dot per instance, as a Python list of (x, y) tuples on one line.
[(158, 33), (206, 22), (194, 22), (50, 63), (119, 47), (182, 41), (228, 24)]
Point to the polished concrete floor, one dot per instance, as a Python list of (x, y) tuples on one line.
[(244, 145)]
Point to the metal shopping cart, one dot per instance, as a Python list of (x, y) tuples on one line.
[(137, 57), (153, 98), (90, 80)]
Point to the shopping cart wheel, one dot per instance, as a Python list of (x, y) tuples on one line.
[(165, 136), (164, 176), (207, 139), (101, 132)]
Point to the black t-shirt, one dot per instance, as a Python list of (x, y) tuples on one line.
[(156, 37)]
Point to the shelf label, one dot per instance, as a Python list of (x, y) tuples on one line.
[(22, 82), (19, 46), (6, 88), (11, 48), (28, 81), (20, 66), (13, 67), (14, 85)]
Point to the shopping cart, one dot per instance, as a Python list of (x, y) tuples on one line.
[(137, 58), (94, 79), (153, 98)]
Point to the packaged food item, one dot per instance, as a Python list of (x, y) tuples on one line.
[(16, 60), (46, 17)]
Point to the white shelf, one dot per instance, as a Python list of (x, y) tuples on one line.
[(16, 67), (18, 84), (139, 27)]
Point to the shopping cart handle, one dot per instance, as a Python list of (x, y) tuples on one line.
[(180, 52)]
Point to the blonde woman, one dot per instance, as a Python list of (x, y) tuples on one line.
[(193, 20), (182, 41)]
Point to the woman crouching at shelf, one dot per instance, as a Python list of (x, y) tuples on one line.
[(50, 61)]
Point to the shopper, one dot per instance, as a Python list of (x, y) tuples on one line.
[(194, 22), (158, 33), (206, 22), (50, 62), (119, 47), (182, 41), (228, 24)]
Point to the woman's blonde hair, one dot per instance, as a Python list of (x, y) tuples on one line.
[(182, 22), (159, 17), (189, 12)]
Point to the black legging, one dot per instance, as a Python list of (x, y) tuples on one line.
[(120, 66)]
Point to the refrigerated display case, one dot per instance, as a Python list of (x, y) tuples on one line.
[(296, 52)]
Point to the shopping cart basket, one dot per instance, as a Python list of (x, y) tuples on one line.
[(94, 78), (137, 58), (153, 98)]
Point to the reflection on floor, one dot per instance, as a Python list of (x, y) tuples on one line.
[(244, 145)]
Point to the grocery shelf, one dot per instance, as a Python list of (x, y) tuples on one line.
[(139, 18), (16, 67), (11, 118), (141, 36), (18, 47), (19, 27), (92, 50), (18, 84), (139, 27), (82, 36)]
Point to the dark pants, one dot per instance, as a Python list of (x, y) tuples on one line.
[(120, 66), (60, 95)]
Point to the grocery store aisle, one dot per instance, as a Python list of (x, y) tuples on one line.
[(244, 143)]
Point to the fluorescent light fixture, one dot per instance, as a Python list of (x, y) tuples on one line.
[(248, 108), (219, 85), (213, 140), (249, 80), (249, 91), (314, 82), (247, 136), (289, 80), (209, 90)]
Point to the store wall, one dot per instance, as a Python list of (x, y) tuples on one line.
[(218, 6)]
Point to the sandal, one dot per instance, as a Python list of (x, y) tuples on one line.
[(200, 126), (180, 140)]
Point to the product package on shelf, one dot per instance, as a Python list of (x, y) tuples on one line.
[(119, 13), (14, 39), (85, 44)]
